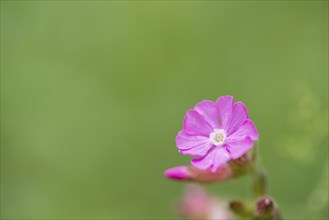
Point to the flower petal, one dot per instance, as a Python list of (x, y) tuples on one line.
[(239, 148), (221, 157), (205, 162), (239, 115), (185, 141), (224, 108), (200, 150), (207, 109), (214, 159), (194, 124), (247, 129)]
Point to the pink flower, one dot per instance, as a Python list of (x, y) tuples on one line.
[(213, 142), (196, 203)]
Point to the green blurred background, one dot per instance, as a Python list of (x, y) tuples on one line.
[(94, 93)]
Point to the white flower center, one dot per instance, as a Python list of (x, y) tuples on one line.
[(218, 137)]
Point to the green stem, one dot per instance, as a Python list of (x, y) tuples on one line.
[(259, 180)]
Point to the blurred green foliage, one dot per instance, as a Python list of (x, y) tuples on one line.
[(93, 94)]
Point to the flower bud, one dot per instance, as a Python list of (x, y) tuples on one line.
[(264, 207), (184, 173), (240, 209), (196, 203), (178, 173)]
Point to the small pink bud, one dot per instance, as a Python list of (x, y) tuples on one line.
[(264, 207), (184, 173), (178, 173)]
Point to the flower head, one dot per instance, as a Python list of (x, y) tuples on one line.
[(216, 133), (196, 203)]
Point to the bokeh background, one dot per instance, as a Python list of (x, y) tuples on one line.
[(94, 93)]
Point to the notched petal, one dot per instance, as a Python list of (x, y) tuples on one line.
[(239, 115), (205, 162), (185, 141), (194, 124), (199, 151), (224, 108), (207, 109), (247, 129), (239, 148)]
